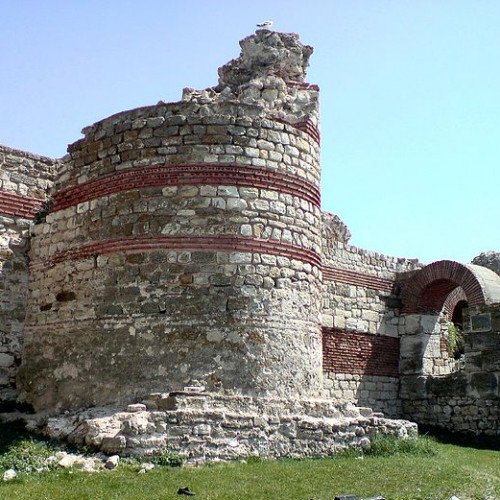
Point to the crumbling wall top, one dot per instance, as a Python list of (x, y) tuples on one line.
[(270, 75), (267, 53)]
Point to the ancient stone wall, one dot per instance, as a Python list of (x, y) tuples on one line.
[(467, 399), (24, 182), (361, 324), (183, 261), (490, 260), (183, 248), (424, 345)]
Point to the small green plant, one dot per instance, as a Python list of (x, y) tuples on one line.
[(167, 458), (45, 209), (384, 445), (26, 455), (456, 344), (23, 450)]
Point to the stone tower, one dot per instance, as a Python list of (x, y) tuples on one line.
[(183, 245)]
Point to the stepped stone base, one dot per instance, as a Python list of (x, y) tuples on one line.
[(210, 427)]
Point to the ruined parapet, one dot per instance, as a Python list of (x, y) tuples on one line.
[(25, 179), (269, 75), (184, 245), (491, 260), (333, 230)]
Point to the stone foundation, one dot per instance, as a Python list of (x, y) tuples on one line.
[(208, 426), (381, 394)]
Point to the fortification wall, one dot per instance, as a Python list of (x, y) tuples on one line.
[(183, 248), (24, 182), (361, 325)]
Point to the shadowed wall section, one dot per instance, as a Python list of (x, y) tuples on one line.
[(25, 179)]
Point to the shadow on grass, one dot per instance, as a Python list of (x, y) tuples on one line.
[(465, 439), (12, 433)]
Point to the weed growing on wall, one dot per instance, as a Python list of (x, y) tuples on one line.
[(456, 342)]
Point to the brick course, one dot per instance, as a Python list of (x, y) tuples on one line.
[(360, 353), (186, 174)]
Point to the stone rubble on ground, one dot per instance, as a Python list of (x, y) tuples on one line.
[(146, 467), (112, 462), (9, 474)]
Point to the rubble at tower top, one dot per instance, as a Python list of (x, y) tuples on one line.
[(269, 74), (267, 53)]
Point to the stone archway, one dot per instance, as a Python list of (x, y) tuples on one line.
[(436, 388), (427, 291), (434, 296)]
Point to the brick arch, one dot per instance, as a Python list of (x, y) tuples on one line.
[(428, 289), (454, 298)]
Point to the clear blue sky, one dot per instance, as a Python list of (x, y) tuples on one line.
[(410, 96)]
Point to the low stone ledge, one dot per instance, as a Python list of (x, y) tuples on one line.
[(206, 426)]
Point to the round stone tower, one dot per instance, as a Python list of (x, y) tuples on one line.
[(183, 245)]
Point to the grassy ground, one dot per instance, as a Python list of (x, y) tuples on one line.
[(429, 471)]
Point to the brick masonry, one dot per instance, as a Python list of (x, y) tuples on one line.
[(19, 206), (205, 174), (360, 353)]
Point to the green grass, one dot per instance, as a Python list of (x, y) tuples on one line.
[(386, 446), (424, 469)]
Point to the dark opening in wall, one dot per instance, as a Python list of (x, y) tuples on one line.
[(65, 296), (457, 314), (456, 343)]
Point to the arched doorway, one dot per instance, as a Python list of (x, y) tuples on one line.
[(434, 299)]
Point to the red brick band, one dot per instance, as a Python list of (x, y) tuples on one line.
[(20, 206), (187, 174), (357, 279), (303, 85), (306, 126), (360, 353), (457, 295), (222, 243)]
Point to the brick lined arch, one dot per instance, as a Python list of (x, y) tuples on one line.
[(427, 290), (456, 297)]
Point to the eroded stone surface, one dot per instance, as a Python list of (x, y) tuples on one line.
[(491, 260), (209, 426), (24, 179), (269, 74), (184, 246)]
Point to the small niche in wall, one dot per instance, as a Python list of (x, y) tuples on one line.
[(480, 322), (65, 296)]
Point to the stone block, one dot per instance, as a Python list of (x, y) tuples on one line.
[(113, 444), (6, 360), (452, 385), (413, 387), (483, 385), (411, 366)]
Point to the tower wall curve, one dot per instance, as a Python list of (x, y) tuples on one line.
[(181, 250)]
